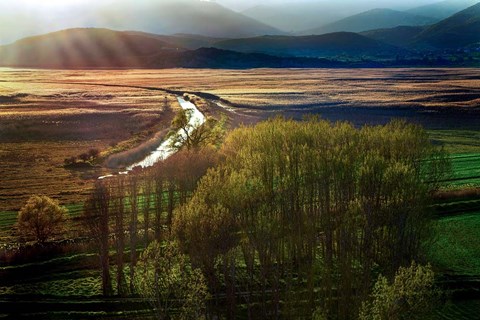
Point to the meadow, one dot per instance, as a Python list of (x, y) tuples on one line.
[(48, 116)]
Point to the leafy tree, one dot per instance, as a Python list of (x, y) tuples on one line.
[(320, 205), (168, 280), (208, 232), (191, 135), (41, 218), (411, 295)]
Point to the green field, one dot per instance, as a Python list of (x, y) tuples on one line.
[(463, 310), (455, 252), (466, 170), (457, 141), (464, 147), (457, 247)]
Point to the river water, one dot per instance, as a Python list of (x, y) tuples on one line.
[(164, 150)]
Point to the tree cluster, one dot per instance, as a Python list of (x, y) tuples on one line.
[(311, 210), (287, 220), (127, 213)]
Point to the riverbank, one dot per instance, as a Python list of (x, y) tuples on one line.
[(165, 150)]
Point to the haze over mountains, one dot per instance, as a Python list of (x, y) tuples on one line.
[(296, 17), (373, 19), (456, 32), (235, 40), (442, 10), (461, 29), (103, 48), (300, 16), (23, 18), (161, 17)]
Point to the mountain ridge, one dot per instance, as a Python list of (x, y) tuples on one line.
[(379, 18), (443, 9), (327, 45), (160, 17), (86, 48), (461, 29)]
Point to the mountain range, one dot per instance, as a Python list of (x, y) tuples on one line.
[(459, 30), (84, 48), (442, 10), (326, 45), (183, 16), (456, 32), (296, 17), (105, 48), (211, 19), (166, 17), (373, 19), (317, 17)]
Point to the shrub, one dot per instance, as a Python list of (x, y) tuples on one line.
[(411, 295), (170, 283)]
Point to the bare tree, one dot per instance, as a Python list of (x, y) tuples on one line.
[(133, 188), (118, 192), (147, 199), (96, 218)]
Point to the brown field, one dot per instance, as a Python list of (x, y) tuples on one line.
[(47, 116)]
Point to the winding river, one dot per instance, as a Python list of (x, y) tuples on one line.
[(164, 150)]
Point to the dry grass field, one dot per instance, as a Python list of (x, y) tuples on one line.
[(47, 116), (43, 123)]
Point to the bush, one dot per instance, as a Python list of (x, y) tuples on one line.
[(168, 280), (411, 295)]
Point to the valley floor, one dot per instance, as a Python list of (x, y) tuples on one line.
[(47, 116)]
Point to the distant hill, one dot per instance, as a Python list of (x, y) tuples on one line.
[(103, 48), (187, 41), (205, 18), (373, 19), (83, 48), (300, 15), (297, 16), (399, 36), (328, 45), (226, 59), (168, 17), (460, 30), (442, 10)]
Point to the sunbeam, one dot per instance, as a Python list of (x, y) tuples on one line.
[(52, 3)]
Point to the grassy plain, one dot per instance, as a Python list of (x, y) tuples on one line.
[(457, 249), (49, 115), (45, 118)]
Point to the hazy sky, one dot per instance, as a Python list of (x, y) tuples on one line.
[(21, 18), (234, 4), (244, 4)]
